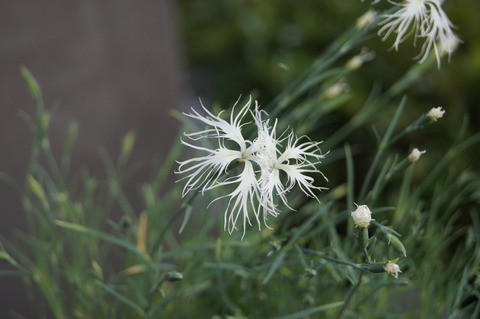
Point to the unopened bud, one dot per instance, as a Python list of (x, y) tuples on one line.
[(392, 268), (336, 89), (362, 216), (435, 113), (415, 155), (398, 244), (125, 222), (97, 270), (310, 273), (358, 60), (366, 18), (173, 276)]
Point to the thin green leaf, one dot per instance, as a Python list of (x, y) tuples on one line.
[(188, 213), (32, 83), (98, 234), (121, 298), (311, 311)]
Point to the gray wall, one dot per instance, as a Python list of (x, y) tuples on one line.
[(112, 66)]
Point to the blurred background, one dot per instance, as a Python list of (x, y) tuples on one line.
[(115, 66), (110, 66)]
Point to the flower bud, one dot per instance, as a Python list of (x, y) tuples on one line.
[(358, 60), (310, 272), (337, 89), (97, 270), (398, 244), (173, 276), (392, 268), (435, 113), (415, 155), (365, 19), (362, 216)]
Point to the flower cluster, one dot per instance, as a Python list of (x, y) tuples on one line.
[(268, 166), (426, 20)]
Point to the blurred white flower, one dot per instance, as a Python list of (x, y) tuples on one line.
[(449, 45), (435, 113), (439, 34), (362, 216), (426, 20), (269, 169), (392, 268), (415, 155)]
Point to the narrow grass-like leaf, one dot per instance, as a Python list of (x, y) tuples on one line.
[(188, 212), (200, 247), (98, 234), (128, 143), (32, 84), (121, 298), (311, 311), (381, 148), (296, 234), (350, 177), (68, 146)]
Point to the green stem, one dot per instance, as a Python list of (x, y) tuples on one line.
[(384, 144), (172, 219), (415, 126), (334, 260), (151, 295), (350, 294)]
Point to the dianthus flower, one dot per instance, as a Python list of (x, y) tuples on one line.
[(426, 20), (267, 168)]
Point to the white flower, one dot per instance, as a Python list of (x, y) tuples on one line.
[(449, 45), (411, 15), (435, 113), (392, 268), (242, 199), (204, 171), (296, 161), (426, 20), (265, 164), (439, 34), (362, 216), (415, 155)]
